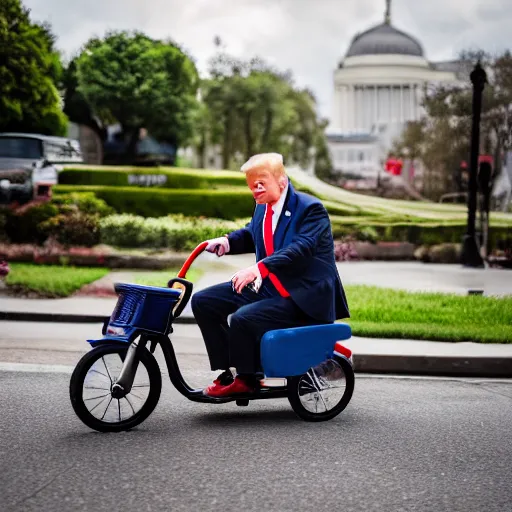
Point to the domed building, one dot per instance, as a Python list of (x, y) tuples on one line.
[(378, 88)]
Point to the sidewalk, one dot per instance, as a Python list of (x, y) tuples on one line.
[(371, 355)]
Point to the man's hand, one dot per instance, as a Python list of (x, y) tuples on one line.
[(220, 246), (245, 277)]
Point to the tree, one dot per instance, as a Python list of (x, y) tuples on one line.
[(323, 163), (29, 75), (254, 108), (442, 139), (76, 106), (140, 83)]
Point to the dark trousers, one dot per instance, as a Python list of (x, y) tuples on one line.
[(253, 314)]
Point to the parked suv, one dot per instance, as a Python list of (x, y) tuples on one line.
[(29, 164)]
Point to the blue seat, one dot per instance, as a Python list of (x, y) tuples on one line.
[(289, 352)]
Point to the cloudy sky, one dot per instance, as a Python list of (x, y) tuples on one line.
[(306, 36)]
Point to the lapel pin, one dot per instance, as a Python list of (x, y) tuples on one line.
[(287, 213)]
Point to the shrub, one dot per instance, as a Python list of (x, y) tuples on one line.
[(173, 232), (86, 202), (69, 218), (24, 226), (73, 228), (445, 253)]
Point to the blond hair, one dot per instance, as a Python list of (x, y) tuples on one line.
[(272, 162)]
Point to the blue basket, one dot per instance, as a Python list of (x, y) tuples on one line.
[(140, 307)]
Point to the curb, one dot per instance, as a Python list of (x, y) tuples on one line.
[(18, 316), (437, 366)]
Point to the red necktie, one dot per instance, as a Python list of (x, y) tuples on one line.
[(268, 237), (268, 240)]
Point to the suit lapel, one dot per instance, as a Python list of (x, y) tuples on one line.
[(285, 217), (259, 215)]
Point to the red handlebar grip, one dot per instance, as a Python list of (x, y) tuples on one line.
[(195, 253)]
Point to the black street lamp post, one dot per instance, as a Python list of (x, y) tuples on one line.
[(470, 252)]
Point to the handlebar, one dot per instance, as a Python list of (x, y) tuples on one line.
[(195, 253)]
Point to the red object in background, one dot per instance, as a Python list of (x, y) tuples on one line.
[(486, 158), (394, 166), (463, 164)]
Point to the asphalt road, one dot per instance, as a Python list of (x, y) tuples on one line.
[(401, 445)]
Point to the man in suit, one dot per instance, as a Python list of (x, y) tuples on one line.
[(294, 282)]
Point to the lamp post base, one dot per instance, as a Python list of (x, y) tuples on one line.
[(470, 254)]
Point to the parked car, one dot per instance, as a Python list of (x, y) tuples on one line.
[(29, 164)]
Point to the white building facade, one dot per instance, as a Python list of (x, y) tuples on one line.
[(378, 87)]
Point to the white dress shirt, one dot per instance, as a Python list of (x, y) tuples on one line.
[(278, 208)]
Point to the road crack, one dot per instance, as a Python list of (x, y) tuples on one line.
[(44, 485)]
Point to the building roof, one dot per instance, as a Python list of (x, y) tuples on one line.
[(384, 39)]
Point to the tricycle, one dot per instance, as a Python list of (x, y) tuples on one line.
[(116, 385)]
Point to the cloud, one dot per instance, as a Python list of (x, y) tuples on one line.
[(308, 37)]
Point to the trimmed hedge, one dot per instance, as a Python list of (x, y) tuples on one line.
[(230, 203), (175, 178), (167, 178), (159, 202), (416, 233)]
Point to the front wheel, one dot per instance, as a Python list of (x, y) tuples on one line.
[(91, 389), (323, 392)]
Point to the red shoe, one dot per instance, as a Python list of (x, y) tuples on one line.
[(222, 381), (225, 378), (237, 387)]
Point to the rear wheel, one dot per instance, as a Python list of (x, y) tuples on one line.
[(91, 389), (323, 392)]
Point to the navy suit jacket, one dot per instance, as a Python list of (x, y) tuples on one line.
[(303, 258)]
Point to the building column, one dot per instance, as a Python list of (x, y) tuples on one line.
[(356, 109), (411, 102), (338, 121), (390, 104), (346, 126), (376, 101), (401, 96), (363, 108), (352, 109)]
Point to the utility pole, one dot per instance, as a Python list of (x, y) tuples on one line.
[(470, 252)]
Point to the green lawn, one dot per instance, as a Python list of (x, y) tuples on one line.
[(386, 313), (375, 312), (51, 281), (62, 281)]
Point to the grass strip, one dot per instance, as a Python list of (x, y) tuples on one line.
[(388, 313), (51, 281), (375, 312)]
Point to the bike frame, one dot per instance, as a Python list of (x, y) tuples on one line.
[(139, 340)]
